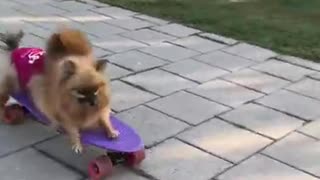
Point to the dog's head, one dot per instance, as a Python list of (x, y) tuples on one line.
[(80, 77)]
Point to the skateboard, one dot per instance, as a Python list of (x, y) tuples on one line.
[(127, 149)]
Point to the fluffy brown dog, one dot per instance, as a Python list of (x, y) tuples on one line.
[(73, 91)]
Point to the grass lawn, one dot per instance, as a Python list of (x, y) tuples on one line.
[(286, 26)]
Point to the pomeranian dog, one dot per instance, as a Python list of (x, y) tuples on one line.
[(67, 84)]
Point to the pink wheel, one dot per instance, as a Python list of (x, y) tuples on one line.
[(14, 114), (135, 158), (100, 167)]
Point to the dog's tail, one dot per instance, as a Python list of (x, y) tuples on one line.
[(12, 40)]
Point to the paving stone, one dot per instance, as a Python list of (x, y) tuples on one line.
[(218, 38), (60, 148), (264, 168), (115, 12), (251, 52), (115, 72), (169, 52), (117, 43), (148, 36), (122, 173), (130, 23), (297, 150), (224, 60), (13, 138), (41, 10), (125, 96), (284, 70), (173, 160), (94, 3), (99, 52), (176, 30), (307, 87), (152, 125), (33, 41), (225, 140), (31, 165), (71, 5), (257, 80), (32, 2), (225, 92), (100, 29), (151, 19), (263, 120), (311, 129), (292, 103), (199, 44), (188, 107), (136, 60), (85, 16), (299, 61), (315, 76), (195, 70), (159, 82)]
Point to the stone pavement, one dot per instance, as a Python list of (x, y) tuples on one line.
[(207, 107)]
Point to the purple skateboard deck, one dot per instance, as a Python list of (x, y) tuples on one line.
[(128, 140)]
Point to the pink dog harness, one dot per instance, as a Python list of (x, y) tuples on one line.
[(28, 62)]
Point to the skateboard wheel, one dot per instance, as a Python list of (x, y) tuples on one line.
[(14, 114), (135, 158), (100, 167)]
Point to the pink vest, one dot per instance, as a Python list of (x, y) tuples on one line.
[(28, 62)]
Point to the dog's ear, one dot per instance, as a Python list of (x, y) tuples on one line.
[(69, 69), (101, 65)]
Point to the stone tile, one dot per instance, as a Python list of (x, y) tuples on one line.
[(292, 103), (148, 36), (152, 125), (218, 38), (94, 3), (188, 107), (284, 70), (225, 92), (307, 87), (13, 138), (115, 72), (311, 129), (251, 52), (115, 12), (257, 80), (300, 62), (130, 23), (315, 76), (85, 16), (122, 173), (100, 29), (195, 70), (159, 82), (125, 96), (176, 30), (41, 10), (264, 168), (60, 149), (224, 60), (71, 5), (117, 43), (136, 60), (198, 44), (173, 160), (263, 120), (37, 31), (31, 165), (33, 41), (225, 140), (32, 2), (99, 52), (297, 150), (169, 52), (151, 19)]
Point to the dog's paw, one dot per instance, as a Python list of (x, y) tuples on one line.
[(113, 134), (77, 148)]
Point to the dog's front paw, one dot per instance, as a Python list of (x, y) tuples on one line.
[(113, 134), (77, 148)]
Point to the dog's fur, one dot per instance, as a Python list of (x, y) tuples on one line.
[(72, 92)]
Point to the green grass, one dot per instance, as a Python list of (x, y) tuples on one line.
[(286, 26)]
